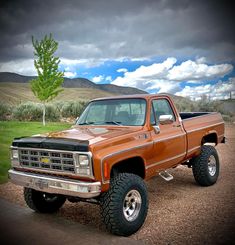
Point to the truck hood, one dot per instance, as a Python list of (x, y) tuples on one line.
[(93, 134)]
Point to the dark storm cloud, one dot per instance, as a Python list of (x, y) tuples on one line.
[(114, 29)]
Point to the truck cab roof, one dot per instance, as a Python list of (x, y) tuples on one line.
[(144, 96)]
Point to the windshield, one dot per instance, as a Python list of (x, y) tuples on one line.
[(127, 112)]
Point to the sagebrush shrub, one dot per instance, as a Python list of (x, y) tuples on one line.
[(72, 108), (52, 113), (28, 111), (5, 112)]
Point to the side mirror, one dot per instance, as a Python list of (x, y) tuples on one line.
[(166, 119)]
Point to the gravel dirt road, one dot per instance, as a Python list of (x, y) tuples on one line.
[(180, 211)]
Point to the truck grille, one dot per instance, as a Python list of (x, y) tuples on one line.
[(47, 160)]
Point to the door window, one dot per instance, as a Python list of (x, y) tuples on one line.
[(161, 107)]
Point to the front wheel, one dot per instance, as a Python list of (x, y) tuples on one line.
[(206, 166), (124, 207), (43, 202)]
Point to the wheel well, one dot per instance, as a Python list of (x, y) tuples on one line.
[(210, 138), (133, 165)]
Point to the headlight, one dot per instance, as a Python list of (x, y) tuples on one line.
[(83, 160), (83, 165), (15, 157), (15, 154)]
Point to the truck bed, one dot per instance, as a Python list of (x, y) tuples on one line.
[(200, 124)]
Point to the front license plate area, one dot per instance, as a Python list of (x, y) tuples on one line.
[(40, 184)]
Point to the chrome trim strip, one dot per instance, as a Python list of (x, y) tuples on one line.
[(191, 131), (163, 139), (116, 153), (166, 160), (55, 185)]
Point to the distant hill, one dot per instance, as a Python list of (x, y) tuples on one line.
[(16, 93), (14, 77), (15, 88), (8, 77)]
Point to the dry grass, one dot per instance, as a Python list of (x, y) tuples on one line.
[(15, 93)]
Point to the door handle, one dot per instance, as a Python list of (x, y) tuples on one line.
[(177, 126)]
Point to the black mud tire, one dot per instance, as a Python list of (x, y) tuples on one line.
[(201, 172), (43, 202), (112, 204)]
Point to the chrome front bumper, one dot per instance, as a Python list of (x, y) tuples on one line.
[(55, 185)]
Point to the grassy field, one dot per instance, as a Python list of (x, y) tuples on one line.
[(15, 93), (10, 130)]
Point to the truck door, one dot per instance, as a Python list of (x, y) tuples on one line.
[(169, 138)]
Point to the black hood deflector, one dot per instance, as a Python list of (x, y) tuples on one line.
[(51, 143)]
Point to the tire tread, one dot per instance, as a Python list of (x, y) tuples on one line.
[(109, 210), (35, 201), (200, 166)]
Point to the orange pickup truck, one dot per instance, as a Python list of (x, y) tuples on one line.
[(115, 146)]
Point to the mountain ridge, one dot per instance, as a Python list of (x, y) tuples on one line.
[(9, 77)]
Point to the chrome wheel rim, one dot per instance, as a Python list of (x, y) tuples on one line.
[(132, 205), (212, 165)]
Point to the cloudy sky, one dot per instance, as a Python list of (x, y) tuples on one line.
[(182, 47)]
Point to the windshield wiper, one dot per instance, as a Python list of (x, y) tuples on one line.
[(114, 122), (86, 123), (100, 123)]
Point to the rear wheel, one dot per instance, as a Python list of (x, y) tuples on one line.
[(206, 166), (124, 207), (43, 202)]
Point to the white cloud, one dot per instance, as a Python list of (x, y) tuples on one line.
[(131, 59), (122, 70), (225, 87), (190, 70), (195, 93), (75, 63), (98, 79), (163, 86), (70, 74), (23, 67), (26, 66), (220, 90), (145, 77), (201, 60), (71, 62), (167, 77), (108, 79)]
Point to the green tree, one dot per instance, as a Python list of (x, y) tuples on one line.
[(48, 83)]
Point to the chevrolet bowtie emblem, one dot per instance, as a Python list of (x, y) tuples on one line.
[(45, 160)]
